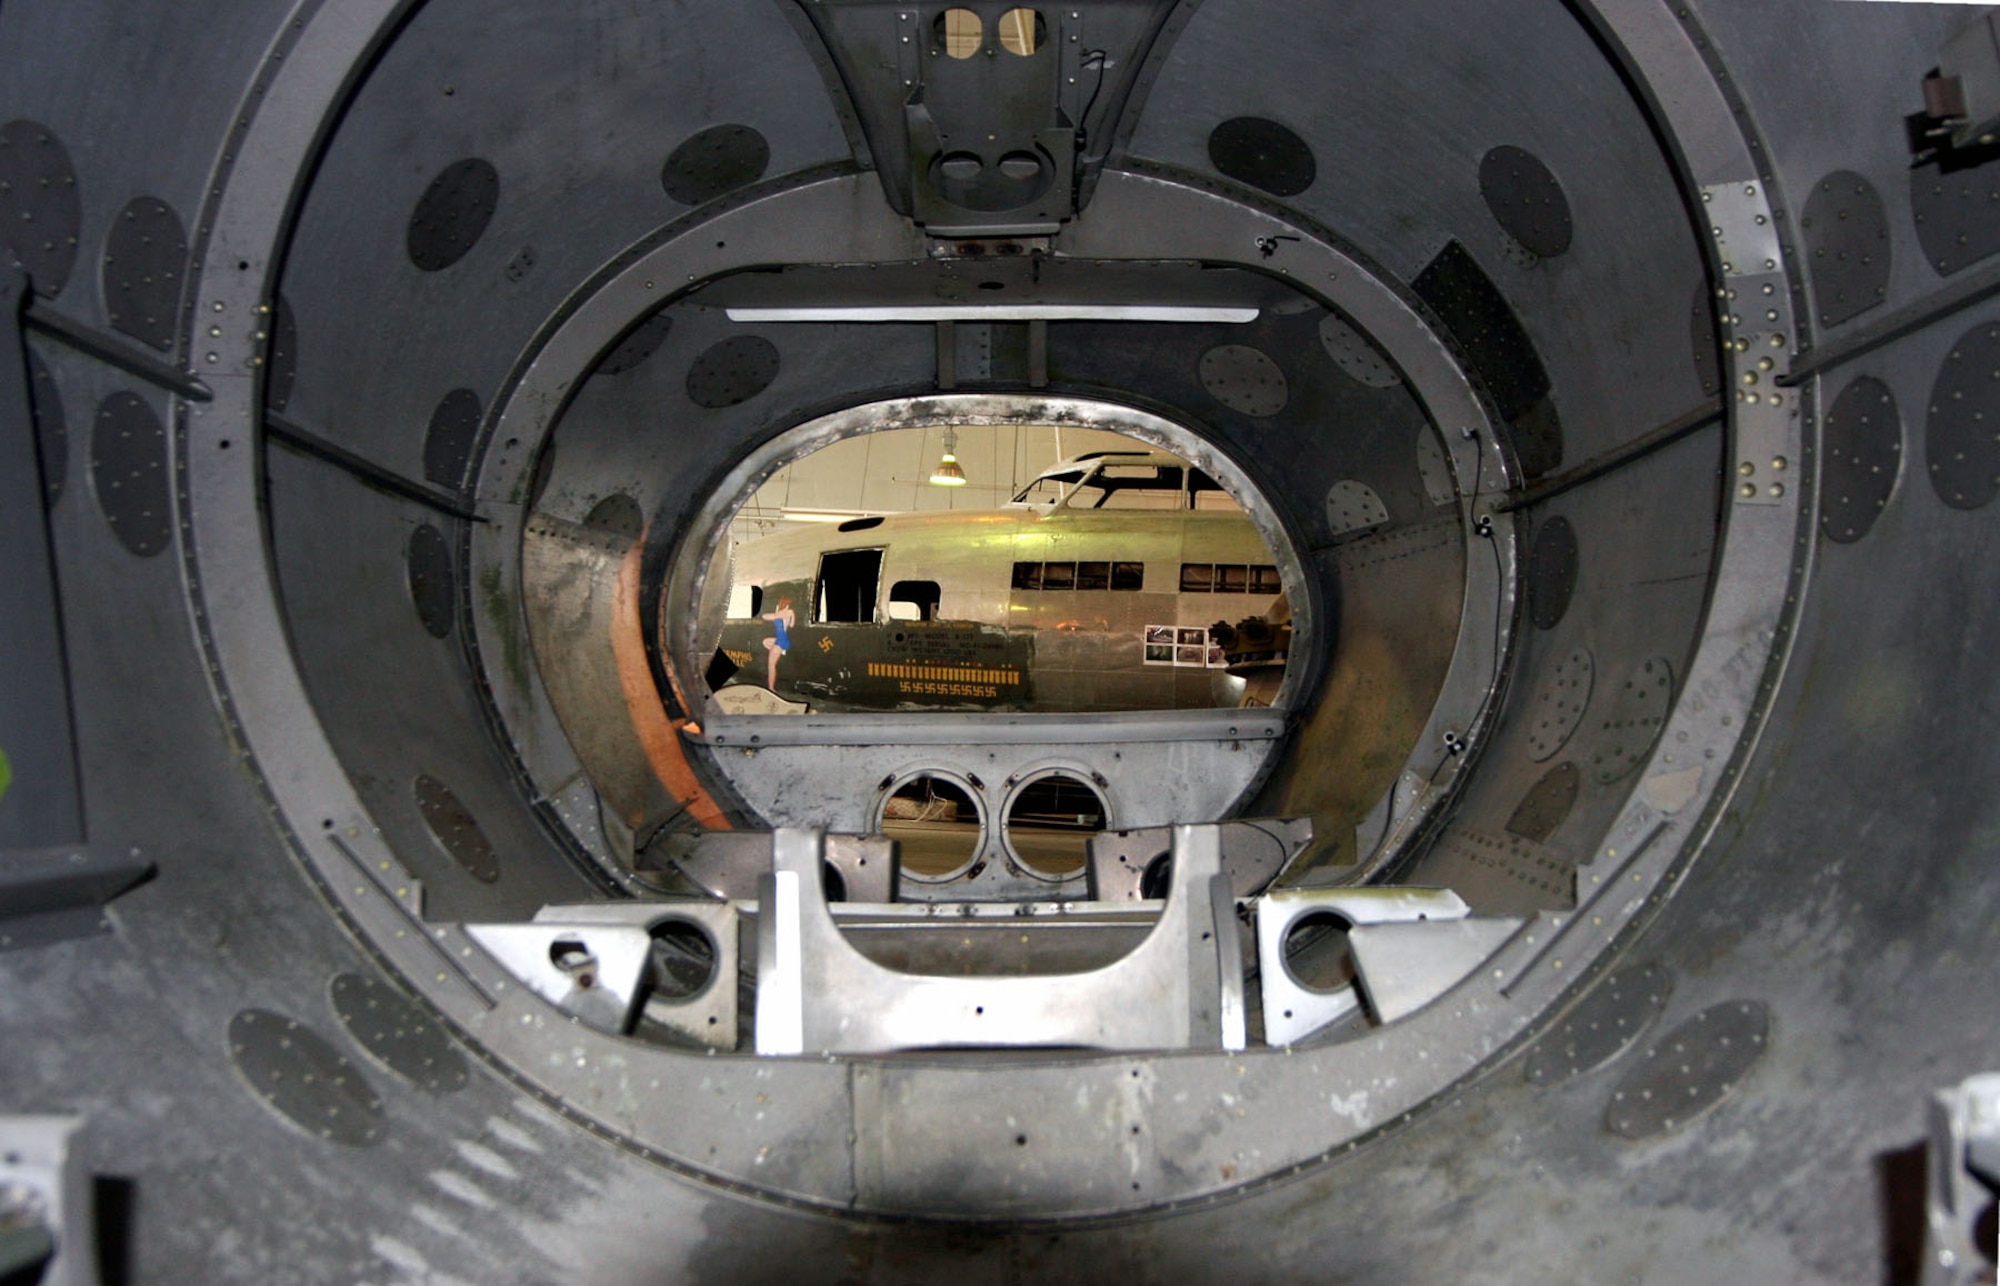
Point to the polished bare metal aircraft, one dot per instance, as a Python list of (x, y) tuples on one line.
[(1095, 588)]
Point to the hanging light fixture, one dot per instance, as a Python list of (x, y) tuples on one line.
[(947, 473)]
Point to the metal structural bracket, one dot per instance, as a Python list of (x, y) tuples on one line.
[(1403, 967), (1253, 852), (45, 1213), (1180, 988), (728, 864), (49, 894), (593, 961), (1759, 337), (1739, 218), (1410, 946), (1964, 1156)]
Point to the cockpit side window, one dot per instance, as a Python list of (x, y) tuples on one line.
[(1139, 486)]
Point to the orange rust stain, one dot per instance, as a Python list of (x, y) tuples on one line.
[(657, 733)]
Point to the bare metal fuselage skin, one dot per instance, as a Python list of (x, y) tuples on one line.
[(996, 639)]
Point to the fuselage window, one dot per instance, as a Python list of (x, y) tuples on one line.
[(746, 602), (1064, 576), (848, 581), (1229, 578), (914, 600)]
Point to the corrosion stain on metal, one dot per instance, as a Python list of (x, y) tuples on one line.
[(453, 213), (1690, 1070), (145, 260), (1846, 235), (1526, 200), (307, 1081), (636, 344), (1954, 214), (128, 470), (1559, 705), (433, 588), (1547, 804), (455, 829), (714, 162), (1961, 449), (1614, 1015), (1638, 711), (283, 369), (41, 213), (398, 1035), (1244, 379), (732, 371), (616, 515), (1552, 571), (1356, 354), (1262, 153), (51, 429), (448, 443), (1864, 454)]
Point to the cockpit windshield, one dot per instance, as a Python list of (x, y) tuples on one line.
[(1127, 484), (1048, 490)]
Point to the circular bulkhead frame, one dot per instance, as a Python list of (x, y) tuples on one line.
[(822, 771), (639, 1096)]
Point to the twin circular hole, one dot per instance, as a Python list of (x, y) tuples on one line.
[(958, 33), (939, 825)]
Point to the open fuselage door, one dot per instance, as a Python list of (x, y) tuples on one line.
[(847, 586)]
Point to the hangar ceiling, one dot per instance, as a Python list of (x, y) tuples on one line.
[(1603, 891)]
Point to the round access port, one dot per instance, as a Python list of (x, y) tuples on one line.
[(680, 964), (937, 826), (1050, 822), (1317, 954)]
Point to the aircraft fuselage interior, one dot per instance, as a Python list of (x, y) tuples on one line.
[(1138, 640)]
